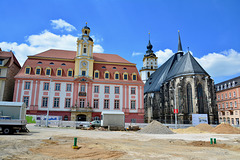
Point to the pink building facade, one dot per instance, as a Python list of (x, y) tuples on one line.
[(228, 101), (79, 85)]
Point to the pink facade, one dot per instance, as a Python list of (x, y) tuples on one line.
[(68, 96), (228, 101)]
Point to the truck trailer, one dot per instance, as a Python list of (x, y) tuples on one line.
[(113, 119), (12, 117)]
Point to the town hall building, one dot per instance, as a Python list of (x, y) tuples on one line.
[(79, 85)]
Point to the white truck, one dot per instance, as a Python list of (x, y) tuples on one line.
[(12, 117), (113, 119)]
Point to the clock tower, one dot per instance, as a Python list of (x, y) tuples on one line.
[(150, 64), (84, 55)]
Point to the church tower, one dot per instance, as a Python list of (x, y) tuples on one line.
[(150, 64), (84, 55)]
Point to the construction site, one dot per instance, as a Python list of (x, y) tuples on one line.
[(154, 141)]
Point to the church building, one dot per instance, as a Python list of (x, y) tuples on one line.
[(180, 82), (79, 85)]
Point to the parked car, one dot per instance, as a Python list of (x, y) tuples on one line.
[(96, 123)]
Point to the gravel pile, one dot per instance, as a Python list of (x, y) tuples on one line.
[(204, 127), (225, 129), (156, 127)]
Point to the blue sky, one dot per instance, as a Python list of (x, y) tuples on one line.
[(210, 28)]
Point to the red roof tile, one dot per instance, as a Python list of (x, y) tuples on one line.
[(116, 63), (64, 54), (11, 56)]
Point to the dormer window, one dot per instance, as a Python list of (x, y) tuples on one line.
[(233, 83), (96, 74), (116, 76), (59, 72), (48, 71), (125, 76), (106, 75), (38, 71), (27, 70), (134, 76), (70, 72)]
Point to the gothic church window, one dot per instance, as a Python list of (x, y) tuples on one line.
[(200, 99), (189, 99)]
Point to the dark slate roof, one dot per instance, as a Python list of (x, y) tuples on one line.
[(149, 52), (233, 82), (175, 66), (88, 38)]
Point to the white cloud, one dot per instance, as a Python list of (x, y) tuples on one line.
[(163, 56), (136, 54), (96, 39), (61, 24), (98, 48), (225, 63), (46, 40)]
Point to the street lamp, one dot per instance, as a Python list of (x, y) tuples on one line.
[(48, 101), (175, 105)]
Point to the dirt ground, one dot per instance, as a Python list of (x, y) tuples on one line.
[(56, 143)]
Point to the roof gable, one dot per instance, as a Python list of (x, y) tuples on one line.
[(175, 66), (186, 65)]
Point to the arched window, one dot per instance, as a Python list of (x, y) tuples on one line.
[(189, 99), (70, 72), (28, 70), (125, 76), (96, 74), (149, 74), (59, 72), (116, 75), (179, 99), (106, 75), (48, 71), (200, 99), (134, 76), (38, 70), (85, 49)]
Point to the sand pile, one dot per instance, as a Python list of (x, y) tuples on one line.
[(188, 130), (204, 127), (225, 129), (156, 127)]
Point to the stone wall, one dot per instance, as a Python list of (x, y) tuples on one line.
[(9, 83), (160, 105)]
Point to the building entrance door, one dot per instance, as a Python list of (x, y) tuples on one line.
[(81, 117)]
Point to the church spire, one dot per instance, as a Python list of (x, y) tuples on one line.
[(179, 43), (149, 47)]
